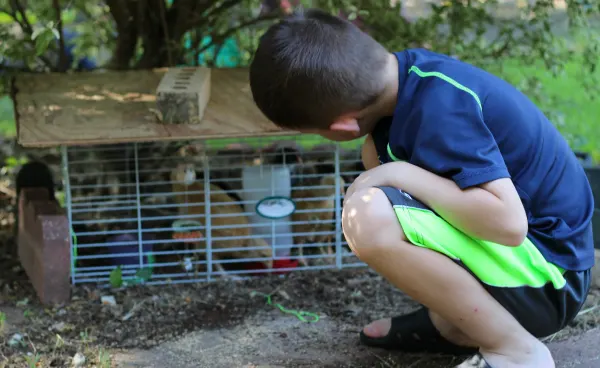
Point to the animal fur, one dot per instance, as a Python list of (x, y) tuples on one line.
[(235, 224), (321, 204)]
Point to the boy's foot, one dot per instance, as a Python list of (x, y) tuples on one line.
[(413, 332), (536, 356), (476, 361)]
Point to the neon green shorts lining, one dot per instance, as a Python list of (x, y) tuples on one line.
[(494, 264)]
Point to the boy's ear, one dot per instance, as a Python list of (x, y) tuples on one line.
[(345, 124)]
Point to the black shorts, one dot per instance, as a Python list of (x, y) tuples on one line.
[(540, 295)]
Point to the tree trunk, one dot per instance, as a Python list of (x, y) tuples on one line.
[(125, 49), (155, 55), (125, 14), (160, 48)]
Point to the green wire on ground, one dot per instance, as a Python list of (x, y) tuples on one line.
[(299, 314)]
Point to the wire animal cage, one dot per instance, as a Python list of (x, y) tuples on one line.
[(195, 211)]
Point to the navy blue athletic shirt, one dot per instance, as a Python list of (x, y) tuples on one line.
[(465, 124)]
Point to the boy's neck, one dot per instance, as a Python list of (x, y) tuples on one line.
[(386, 103), (390, 93)]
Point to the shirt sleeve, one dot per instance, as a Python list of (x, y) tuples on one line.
[(451, 137)]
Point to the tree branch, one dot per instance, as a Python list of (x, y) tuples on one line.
[(223, 36), (181, 13), (163, 19), (226, 5), (18, 9), (16, 4), (204, 15), (124, 14), (119, 12), (62, 57)]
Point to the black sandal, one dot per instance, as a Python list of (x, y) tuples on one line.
[(476, 361), (414, 332)]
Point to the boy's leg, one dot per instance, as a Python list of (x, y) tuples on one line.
[(458, 299)]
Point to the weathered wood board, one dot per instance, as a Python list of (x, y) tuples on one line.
[(120, 106)]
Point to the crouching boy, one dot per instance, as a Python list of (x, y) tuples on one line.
[(472, 203)]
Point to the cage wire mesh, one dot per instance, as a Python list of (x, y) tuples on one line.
[(194, 211)]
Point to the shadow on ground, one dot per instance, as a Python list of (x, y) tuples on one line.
[(278, 341)]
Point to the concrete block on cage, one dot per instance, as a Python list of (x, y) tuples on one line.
[(182, 95)]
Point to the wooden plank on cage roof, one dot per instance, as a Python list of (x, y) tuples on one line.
[(107, 107)]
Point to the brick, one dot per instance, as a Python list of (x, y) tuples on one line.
[(44, 245), (182, 95)]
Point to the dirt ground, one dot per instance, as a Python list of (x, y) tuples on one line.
[(220, 324), (226, 324)]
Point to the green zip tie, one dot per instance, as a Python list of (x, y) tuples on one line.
[(299, 314), (74, 245)]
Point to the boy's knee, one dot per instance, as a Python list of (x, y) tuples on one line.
[(369, 222)]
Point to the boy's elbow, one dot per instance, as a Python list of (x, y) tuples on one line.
[(514, 233)]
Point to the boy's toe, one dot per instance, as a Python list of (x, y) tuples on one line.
[(379, 328), (413, 332)]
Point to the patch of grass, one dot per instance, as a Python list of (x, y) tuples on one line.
[(7, 122), (2, 322), (104, 360), (580, 122), (574, 110), (32, 360)]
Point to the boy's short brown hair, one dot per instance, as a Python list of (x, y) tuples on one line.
[(312, 67)]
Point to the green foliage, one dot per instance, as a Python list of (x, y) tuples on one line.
[(95, 31), (7, 127), (104, 359), (542, 50), (33, 360), (116, 279), (2, 322), (549, 54), (12, 162), (143, 274), (43, 37)]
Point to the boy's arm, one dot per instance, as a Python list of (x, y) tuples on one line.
[(491, 211), (369, 153), (456, 166)]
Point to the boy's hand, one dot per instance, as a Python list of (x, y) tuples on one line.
[(368, 179)]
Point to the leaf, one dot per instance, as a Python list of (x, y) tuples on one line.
[(36, 33), (144, 273), (42, 41), (116, 277)]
